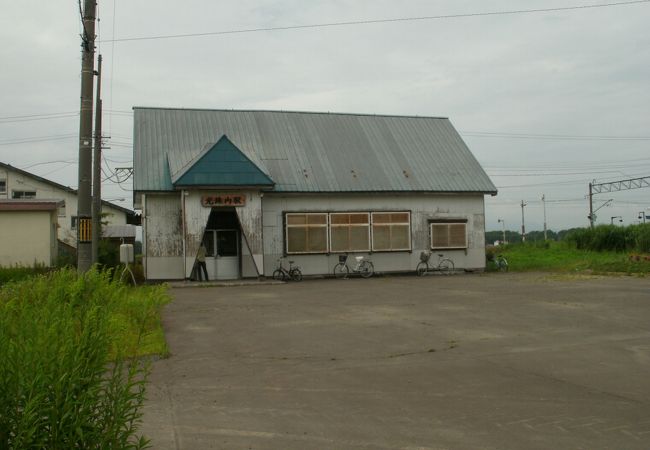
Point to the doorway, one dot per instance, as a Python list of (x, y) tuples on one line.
[(222, 242)]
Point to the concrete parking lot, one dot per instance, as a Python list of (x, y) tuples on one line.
[(500, 361)]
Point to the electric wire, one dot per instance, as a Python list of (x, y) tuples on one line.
[(377, 21)]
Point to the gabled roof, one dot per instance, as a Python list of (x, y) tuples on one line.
[(311, 152), (221, 164), (60, 186)]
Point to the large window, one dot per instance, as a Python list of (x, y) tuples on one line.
[(339, 232), (306, 232), (349, 232), (3, 186), (23, 194), (391, 231), (448, 235)]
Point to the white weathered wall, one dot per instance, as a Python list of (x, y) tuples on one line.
[(423, 207), (46, 191), (27, 237), (163, 236)]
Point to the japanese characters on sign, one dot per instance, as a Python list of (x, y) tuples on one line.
[(223, 200)]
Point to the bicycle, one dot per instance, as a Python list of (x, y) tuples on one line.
[(364, 267), (501, 263), (444, 266), (282, 274)]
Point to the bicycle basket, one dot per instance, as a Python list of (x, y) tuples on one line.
[(343, 259), (424, 256)]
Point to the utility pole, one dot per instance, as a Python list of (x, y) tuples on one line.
[(97, 167), (523, 226), (84, 209), (591, 205), (544, 203)]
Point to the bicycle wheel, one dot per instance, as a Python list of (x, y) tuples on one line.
[(502, 265), (422, 269), (295, 274), (341, 270), (367, 269), (446, 266), (278, 275)]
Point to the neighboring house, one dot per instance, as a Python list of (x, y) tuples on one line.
[(254, 186), (20, 184), (28, 234)]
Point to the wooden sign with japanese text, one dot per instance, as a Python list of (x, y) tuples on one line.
[(223, 200)]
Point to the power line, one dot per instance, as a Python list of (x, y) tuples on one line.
[(376, 21)]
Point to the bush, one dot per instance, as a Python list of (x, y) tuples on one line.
[(17, 273), (68, 380), (611, 238)]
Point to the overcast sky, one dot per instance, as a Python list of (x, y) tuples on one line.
[(546, 101)]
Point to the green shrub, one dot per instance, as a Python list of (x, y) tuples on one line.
[(68, 378), (17, 273), (611, 238)]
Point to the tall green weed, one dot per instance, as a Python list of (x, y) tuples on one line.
[(69, 378), (612, 238)]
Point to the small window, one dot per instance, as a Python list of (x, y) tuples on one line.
[(350, 232), (3, 186), (23, 194), (391, 231), (62, 209), (73, 222), (306, 233), (448, 235)]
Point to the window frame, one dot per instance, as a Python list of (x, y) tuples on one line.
[(3, 186), (447, 222), (410, 228), (13, 194), (330, 225), (73, 222), (286, 226)]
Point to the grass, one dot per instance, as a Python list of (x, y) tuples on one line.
[(71, 376), (563, 257)]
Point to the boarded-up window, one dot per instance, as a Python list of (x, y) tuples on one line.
[(350, 232), (391, 231), (306, 232), (448, 235)]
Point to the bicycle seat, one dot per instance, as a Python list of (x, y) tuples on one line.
[(441, 254), (290, 262)]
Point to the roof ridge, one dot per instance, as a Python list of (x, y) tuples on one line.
[(281, 111)]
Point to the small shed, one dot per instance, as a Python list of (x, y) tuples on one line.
[(255, 186), (29, 232)]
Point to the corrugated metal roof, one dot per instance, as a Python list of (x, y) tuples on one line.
[(311, 152)]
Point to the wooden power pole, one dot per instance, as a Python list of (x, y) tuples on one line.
[(84, 207), (97, 167)]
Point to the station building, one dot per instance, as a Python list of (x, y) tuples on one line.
[(254, 186)]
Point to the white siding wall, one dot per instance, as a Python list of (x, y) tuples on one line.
[(163, 237), (423, 207), (163, 229)]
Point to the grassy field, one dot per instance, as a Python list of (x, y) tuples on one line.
[(70, 373), (562, 257)]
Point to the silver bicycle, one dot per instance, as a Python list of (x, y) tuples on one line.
[(444, 265), (363, 267)]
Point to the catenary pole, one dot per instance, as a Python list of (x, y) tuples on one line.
[(97, 167), (591, 205), (544, 204), (84, 207), (523, 226)]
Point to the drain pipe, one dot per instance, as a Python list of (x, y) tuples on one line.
[(184, 233)]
